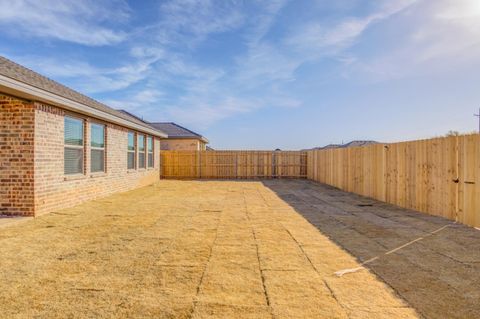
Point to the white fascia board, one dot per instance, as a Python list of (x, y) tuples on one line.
[(23, 90)]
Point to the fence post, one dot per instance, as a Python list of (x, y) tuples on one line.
[(274, 165), (457, 177)]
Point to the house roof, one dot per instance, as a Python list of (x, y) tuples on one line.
[(173, 130), (137, 118), (19, 80)]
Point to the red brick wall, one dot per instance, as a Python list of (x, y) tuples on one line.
[(32, 179), (16, 156), (54, 190)]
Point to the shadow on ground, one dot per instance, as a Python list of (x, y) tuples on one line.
[(438, 273)]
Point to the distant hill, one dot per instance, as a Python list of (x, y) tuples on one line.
[(349, 144)]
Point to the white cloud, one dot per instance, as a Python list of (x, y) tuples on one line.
[(164, 72), (318, 40), (265, 63), (194, 110), (204, 113), (74, 21), (437, 36), (161, 55), (135, 103), (448, 28), (458, 10), (260, 24), (88, 78), (187, 22), (212, 93), (143, 52)]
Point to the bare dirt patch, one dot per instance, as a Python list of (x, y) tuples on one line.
[(180, 250)]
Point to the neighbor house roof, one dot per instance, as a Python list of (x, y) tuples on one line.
[(356, 143), (174, 130), (359, 143), (20, 81), (137, 118)]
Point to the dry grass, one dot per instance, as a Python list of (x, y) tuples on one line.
[(184, 249)]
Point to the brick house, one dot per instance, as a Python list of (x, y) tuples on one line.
[(59, 148), (180, 138)]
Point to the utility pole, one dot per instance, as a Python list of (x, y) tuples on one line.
[(478, 115)]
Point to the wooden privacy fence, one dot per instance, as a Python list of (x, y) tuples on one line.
[(233, 164), (439, 176)]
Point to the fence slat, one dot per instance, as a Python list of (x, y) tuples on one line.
[(233, 164)]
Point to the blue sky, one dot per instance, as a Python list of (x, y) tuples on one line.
[(257, 74)]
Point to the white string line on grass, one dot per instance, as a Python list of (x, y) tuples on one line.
[(340, 273)]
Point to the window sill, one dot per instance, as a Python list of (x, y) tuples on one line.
[(98, 174), (151, 169), (74, 177), (131, 170)]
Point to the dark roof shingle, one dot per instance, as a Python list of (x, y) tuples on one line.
[(356, 143), (174, 130)]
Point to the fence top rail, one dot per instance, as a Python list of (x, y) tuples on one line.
[(232, 151), (408, 142)]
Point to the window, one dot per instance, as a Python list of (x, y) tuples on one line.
[(73, 151), (150, 151), (141, 151), (131, 151), (97, 151)]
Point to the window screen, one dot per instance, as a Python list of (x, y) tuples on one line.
[(97, 135), (150, 151), (131, 151), (97, 151), (73, 150), (131, 141), (141, 143), (141, 151)]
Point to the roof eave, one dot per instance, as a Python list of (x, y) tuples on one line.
[(26, 91)]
